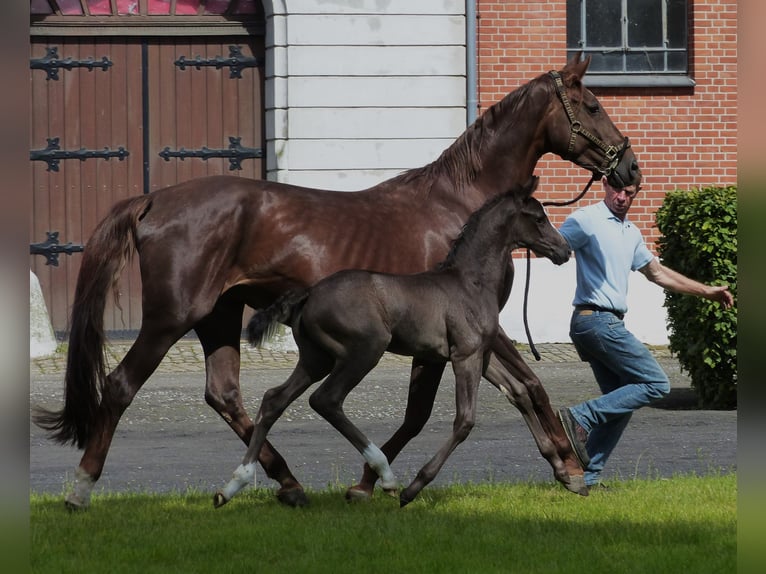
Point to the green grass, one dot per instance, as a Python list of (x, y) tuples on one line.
[(684, 524)]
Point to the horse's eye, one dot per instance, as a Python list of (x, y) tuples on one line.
[(592, 108)]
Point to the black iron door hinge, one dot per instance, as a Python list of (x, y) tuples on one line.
[(236, 62), (51, 248), (235, 152), (51, 63), (53, 154)]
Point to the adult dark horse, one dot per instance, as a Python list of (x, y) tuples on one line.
[(345, 323), (210, 246)]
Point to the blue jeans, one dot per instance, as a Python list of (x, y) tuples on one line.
[(626, 372)]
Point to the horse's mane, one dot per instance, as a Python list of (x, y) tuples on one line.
[(462, 161)]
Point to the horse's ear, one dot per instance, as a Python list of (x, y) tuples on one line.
[(577, 66)]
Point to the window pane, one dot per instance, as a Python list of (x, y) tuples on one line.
[(216, 6), (159, 6), (40, 7), (677, 23), (186, 7), (70, 7), (602, 23), (605, 63), (99, 7), (645, 23), (652, 62), (574, 25), (677, 62), (127, 6)]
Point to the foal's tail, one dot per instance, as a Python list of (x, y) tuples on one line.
[(264, 323), (105, 255)]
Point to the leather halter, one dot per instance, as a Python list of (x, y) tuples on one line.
[(612, 154)]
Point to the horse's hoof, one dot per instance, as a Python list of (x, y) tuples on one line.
[(219, 499), (358, 494), (393, 492), (74, 506), (74, 503), (577, 484), (294, 497)]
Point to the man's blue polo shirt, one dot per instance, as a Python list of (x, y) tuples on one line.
[(606, 251)]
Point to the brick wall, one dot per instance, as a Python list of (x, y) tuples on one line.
[(683, 137)]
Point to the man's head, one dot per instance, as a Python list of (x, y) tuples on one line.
[(618, 200)]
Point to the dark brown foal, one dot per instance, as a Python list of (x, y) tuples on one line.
[(345, 323)]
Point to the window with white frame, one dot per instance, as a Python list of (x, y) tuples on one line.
[(631, 42)]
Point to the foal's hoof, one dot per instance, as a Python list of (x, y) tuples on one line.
[(219, 499), (358, 494), (294, 497), (405, 499)]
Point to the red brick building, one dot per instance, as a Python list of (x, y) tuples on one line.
[(684, 136)]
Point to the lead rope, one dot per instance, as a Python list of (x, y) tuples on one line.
[(529, 265)]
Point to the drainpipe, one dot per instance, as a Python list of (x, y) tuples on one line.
[(471, 97)]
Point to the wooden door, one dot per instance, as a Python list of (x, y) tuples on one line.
[(123, 116)]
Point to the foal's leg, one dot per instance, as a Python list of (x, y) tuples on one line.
[(532, 401), (219, 334), (121, 387), (274, 403), (328, 400), (467, 378), (424, 382)]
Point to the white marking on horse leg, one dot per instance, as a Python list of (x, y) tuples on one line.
[(79, 497), (243, 476), (379, 463)]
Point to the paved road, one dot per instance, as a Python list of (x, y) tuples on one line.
[(169, 439)]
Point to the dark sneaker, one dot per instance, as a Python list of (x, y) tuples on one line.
[(576, 434)]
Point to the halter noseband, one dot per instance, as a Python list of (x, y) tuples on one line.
[(612, 154)]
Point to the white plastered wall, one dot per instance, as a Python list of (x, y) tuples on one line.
[(359, 91), (549, 308)]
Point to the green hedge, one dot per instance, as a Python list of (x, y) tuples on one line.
[(699, 239)]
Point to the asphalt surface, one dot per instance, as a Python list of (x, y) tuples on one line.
[(170, 440)]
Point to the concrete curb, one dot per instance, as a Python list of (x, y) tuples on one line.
[(186, 356)]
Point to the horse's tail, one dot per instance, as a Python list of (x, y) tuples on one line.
[(105, 255), (264, 323)]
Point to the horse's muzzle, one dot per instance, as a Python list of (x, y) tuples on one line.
[(561, 257), (626, 173), (558, 254)]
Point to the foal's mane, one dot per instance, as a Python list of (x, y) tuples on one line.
[(472, 225), (462, 161)]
